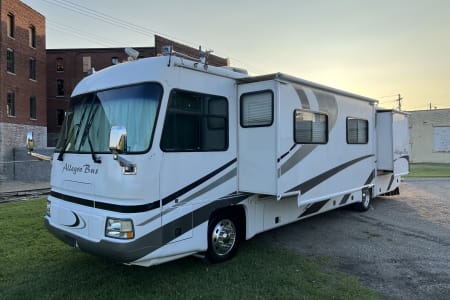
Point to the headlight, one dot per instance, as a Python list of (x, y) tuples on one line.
[(49, 206), (119, 228)]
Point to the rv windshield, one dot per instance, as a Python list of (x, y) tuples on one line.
[(91, 116)]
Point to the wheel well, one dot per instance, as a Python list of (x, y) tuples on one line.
[(235, 211)]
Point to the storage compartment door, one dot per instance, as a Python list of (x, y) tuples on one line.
[(257, 144)]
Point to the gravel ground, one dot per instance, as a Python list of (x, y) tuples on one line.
[(400, 247)]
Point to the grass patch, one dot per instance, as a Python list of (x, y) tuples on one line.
[(34, 264), (429, 170)]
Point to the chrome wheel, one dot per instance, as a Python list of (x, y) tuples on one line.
[(366, 200), (223, 237)]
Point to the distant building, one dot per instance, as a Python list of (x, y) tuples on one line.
[(430, 136), (22, 80), (66, 67)]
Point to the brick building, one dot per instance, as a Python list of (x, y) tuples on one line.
[(22, 80), (66, 67)]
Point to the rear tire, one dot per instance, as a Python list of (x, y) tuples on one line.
[(223, 238), (364, 205)]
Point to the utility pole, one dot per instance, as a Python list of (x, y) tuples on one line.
[(399, 99)]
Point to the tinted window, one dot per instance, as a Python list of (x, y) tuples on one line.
[(195, 122)]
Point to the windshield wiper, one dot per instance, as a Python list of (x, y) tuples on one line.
[(86, 134), (67, 141)]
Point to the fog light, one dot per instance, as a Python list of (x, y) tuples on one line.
[(119, 228), (49, 206)]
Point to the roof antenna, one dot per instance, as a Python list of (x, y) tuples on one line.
[(167, 50), (204, 55)]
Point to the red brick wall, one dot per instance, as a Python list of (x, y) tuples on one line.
[(73, 73), (20, 82)]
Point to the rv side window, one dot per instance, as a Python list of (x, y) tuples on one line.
[(195, 122), (357, 131), (310, 128), (257, 109)]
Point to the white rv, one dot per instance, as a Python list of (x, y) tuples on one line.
[(165, 157)]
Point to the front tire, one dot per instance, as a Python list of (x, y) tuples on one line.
[(223, 238)]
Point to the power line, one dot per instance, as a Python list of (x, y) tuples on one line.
[(110, 19), (101, 40), (88, 12)]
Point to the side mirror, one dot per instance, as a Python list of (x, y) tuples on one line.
[(118, 140), (30, 143)]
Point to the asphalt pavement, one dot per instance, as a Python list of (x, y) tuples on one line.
[(400, 247)]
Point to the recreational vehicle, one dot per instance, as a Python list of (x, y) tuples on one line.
[(164, 157)]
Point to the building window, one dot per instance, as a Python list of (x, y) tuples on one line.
[(86, 63), (11, 25), (195, 122), (33, 108), (60, 64), (11, 104), (257, 109), (10, 61), (60, 87), (310, 127), (32, 36), (32, 68), (115, 60), (357, 131), (59, 117)]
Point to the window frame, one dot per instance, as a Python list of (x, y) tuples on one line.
[(11, 25), (32, 69), (32, 36), (59, 95), (59, 124), (60, 66), (10, 61), (202, 115), (315, 113), (11, 109), (241, 103), (347, 131), (33, 108)]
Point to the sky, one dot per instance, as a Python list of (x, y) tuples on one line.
[(378, 49)]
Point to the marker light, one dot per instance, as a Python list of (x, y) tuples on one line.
[(49, 206), (119, 228)]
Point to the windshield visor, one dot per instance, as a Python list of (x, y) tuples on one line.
[(91, 117)]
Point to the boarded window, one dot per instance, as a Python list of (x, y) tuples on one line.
[(86, 63), (310, 127), (357, 131), (257, 109)]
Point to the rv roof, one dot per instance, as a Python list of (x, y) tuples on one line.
[(289, 78)]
